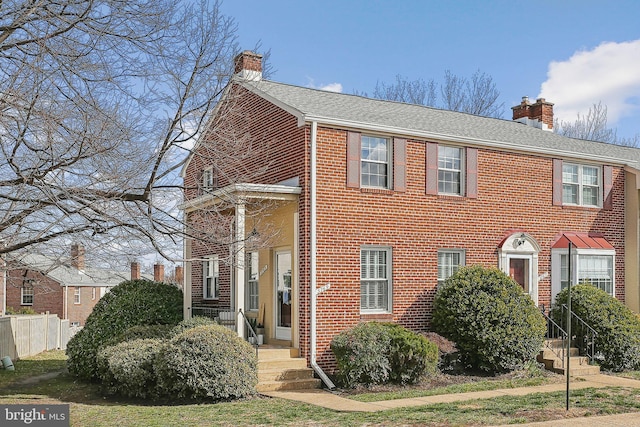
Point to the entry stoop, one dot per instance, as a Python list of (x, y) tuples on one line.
[(282, 369), (578, 365)]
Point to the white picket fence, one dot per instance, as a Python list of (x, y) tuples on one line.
[(28, 335)]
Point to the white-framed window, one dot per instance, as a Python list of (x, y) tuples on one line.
[(208, 180), (375, 158), (581, 185), (252, 274), (375, 280), (26, 295), (210, 276), (449, 261), (589, 266), (76, 295), (450, 170)]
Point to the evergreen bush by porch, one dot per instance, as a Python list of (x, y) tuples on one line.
[(207, 362), (617, 327), (495, 326), (377, 353), (131, 303)]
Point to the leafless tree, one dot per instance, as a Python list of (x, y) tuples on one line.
[(100, 102), (477, 95), (593, 127)]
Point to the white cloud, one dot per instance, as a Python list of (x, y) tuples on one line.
[(607, 74), (331, 87)]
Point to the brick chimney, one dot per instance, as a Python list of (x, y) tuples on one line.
[(135, 271), (248, 65), (539, 114), (158, 272), (179, 275), (77, 256)]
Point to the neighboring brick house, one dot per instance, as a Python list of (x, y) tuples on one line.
[(375, 203), (63, 287)]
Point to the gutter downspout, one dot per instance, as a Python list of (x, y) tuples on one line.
[(313, 291)]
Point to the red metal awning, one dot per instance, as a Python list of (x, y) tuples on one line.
[(583, 241)]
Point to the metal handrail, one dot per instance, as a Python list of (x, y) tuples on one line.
[(555, 331), (250, 328), (586, 341)]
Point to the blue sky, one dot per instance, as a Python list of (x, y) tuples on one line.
[(573, 53)]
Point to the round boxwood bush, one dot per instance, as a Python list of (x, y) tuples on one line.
[(193, 322), (377, 353), (131, 303), (127, 368), (207, 362), (496, 327), (140, 332), (618, 328)]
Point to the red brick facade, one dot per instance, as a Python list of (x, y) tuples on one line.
[(49, 296), (514, 194)]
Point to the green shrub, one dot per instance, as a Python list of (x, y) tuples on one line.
[(192, 323), (496, 327), (21, 310), (617, 327), (127, 368), (140, 332), (131, 303), (377, 353), (207, 362)]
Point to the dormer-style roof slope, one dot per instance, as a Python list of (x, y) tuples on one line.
[(357, 112)]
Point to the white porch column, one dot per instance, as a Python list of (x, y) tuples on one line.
[(239, 266), (186, 288)]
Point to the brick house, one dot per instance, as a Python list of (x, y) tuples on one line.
[(65, 287), (368, 205)]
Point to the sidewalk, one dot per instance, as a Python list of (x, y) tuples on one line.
[(332, 401)]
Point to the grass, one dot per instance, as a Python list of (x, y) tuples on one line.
[(88, 407), (454, 388)]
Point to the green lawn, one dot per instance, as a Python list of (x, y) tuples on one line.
[(88, 407)]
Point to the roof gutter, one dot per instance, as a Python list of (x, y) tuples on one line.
[(314, 244)]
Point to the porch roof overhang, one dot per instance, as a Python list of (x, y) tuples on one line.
[(244, 192), (583, 241)]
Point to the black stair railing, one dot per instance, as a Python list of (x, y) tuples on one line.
[(584, 336), (555, 334)]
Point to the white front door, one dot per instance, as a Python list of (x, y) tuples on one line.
[(283, 295)]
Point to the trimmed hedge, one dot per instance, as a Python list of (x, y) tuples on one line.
[(131, 303), (617, 327), (377, 353), (207, 362), (496, 327), (194, 322), (127, 368)]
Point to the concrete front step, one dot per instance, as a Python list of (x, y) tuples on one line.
[(578, 365), (307, 384), (281, 369)]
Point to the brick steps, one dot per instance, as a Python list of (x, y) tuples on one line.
[(282, 369)]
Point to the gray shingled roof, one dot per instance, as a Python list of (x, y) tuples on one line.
[(420, 121), (70, 276)]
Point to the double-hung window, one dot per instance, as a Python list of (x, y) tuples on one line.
[(208, 180), (375, 165), (449, 261), (210, 275), (76, 295), (581, 185), (450, 167), (375, 279), (26, 295), (251, 276)]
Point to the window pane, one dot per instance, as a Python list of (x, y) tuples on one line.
[(589, 175), (374, 162), (590, 196), (449, 170), (570, 174), (570, 194)]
